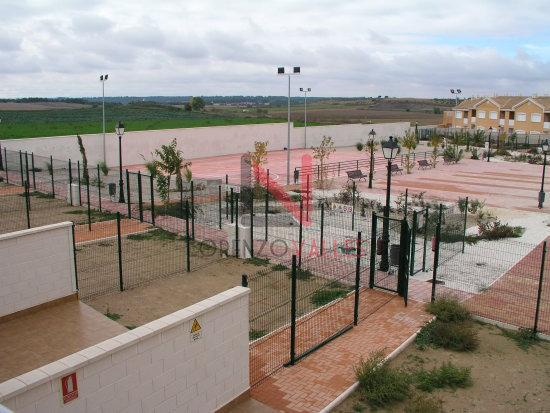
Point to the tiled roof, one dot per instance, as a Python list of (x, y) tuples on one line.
[(504, 102)]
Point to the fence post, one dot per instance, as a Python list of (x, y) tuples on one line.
[(300, 233), (539, 293), (322, 229), (293, 313), (79, 183), (33, 172), (413, 242), (140, 197), (1, 160), (353, 207), (70, 182), (338, 168), (53, 180), (465, 223), (231, 201), (119, 243), (226, 198), (74, 258), (7, 168), (237, 225), (187, 238), (372, 250), (99, 187), (152, 189), (220, 206), (426, 218), (27, 204), (436, 252), (244, 280), (266, 214), (357, 280), (128, 194), (406, 201), (21, 168), (89, 209), (192, 210), (251, 224), (27, 169)]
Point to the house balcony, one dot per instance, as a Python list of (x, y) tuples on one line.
[(511, 122), (546, 125), (501, 122)]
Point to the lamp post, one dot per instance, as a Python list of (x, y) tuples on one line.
[(389, 149), (103, 79), (305, 90), (372, 134), (120, 131), (545, 148), (281, 72), (455, 93), (489, 144)]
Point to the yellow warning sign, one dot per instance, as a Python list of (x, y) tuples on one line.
[(196, 331), (196, 327)]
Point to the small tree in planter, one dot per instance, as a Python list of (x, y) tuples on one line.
[(409, 142), (435, 142), (322, 153), (85, 174)]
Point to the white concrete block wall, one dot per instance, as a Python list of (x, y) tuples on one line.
[(198, 142), (37, 266), (153, 368)]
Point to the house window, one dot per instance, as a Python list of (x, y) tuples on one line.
[(492, 115), (458, 114), (481, 114), (536, 117), (521, 117)]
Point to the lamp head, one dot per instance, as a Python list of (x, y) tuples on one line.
[(545, 146), (390, 148), (120, 128)]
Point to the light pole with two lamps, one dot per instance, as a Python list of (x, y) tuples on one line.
[(120, 131), (545, 148), (390, 149), (372, 134), (305, 90), (281, 72)]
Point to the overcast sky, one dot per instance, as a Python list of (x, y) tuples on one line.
[(417, 48)]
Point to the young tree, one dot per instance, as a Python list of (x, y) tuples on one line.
[(197, 103), (435, 142), (85, 174), (322, 153), (408, 142), (259, 156), (169, 163)]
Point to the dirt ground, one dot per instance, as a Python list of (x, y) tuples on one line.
[(146, 303), (505, 377)]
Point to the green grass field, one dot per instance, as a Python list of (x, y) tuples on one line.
[(136, 117)]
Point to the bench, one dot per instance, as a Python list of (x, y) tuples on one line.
[(424, 163), (448, 161), (356, 174), (396, 169)]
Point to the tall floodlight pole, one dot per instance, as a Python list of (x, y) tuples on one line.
[(455, 94), (305, 90), (281, 72), (103, 79)]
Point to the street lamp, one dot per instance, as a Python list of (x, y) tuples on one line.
[(545, 148), (372, 134), (456, 93), (305, 90), (390, 149), (281, 72), (489, 144), (103, 79), (120, 131)]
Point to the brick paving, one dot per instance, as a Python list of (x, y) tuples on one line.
[(322, 376)]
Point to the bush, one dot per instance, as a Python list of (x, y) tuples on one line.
[(457, 336), (321, 297), (448, 309), (379, 384), (494, 229), (447, 375), (524, 337), (423, 404), (301, 274), (502, 152), (475, 154)]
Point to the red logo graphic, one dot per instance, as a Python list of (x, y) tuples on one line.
[(69, 388)]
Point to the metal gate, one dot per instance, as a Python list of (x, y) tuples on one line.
[(390, 254)]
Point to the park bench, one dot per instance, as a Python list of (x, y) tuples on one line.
[(396, 169), (424, 163), (448, 161), (356, 174)]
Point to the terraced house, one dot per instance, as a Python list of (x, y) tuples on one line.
[(506, 114)]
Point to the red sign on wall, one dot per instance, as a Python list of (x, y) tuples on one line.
[(69, 388)]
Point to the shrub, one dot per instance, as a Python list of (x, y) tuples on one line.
[(322, 297), (448, 309), (301, 274), (524, 337), (502, 152), (446, 375), (475, 154), (452, 154), (424, 404), (279, 267), (260, 262), (454, 336), (380, 384), (255, 334), (494, 229)]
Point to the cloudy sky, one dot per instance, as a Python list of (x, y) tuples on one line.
[(415, 48)]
